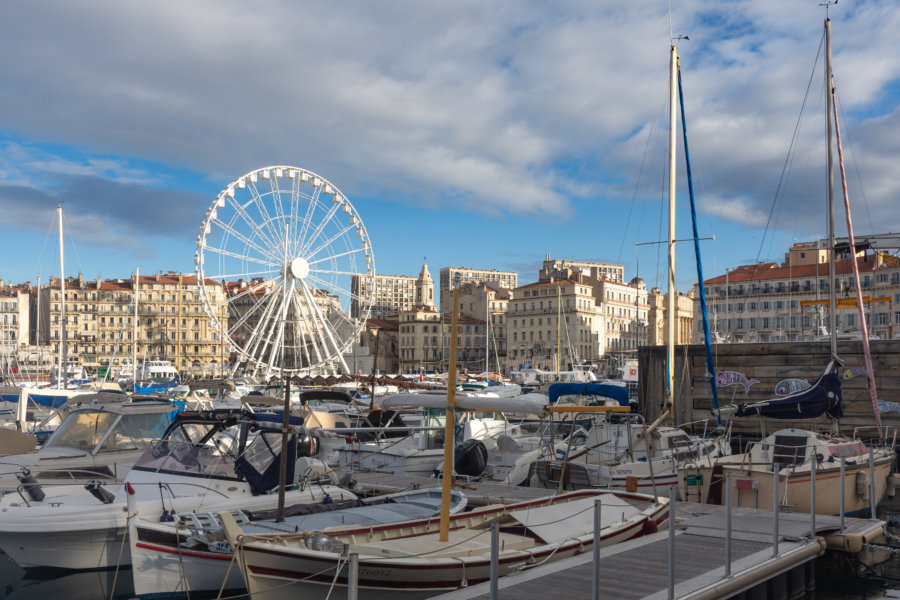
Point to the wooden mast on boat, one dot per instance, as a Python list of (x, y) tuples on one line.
[(449, 426)]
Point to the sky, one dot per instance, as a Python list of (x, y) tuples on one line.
[(468, 133)]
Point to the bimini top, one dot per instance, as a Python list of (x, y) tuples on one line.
[(612, 391)]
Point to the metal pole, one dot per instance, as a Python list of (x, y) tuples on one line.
[(872, 499), (671, 543), (495, 557), (595, 574), (727, 524), (449, 423), (812, 497), (775, 512), (353, 577), (843, 468)]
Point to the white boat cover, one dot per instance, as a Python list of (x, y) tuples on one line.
[(556, 523), (533, 404)]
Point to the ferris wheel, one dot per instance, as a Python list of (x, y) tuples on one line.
[(286, 271)]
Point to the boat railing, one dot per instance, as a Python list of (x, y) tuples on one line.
[(887, 440)]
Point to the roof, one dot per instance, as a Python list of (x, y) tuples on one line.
[(766, 271)]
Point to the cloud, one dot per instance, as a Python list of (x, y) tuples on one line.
[(492, 108)]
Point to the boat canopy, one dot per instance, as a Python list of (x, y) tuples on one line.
[(533, 404), (607, 390), (822, 398)]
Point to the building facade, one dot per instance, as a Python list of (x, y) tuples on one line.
[(553, 324), (453, 277), (596, 270), (100, 322), (790, 302), (391, 293), (481, 302)]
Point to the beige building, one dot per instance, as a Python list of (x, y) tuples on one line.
[(553, 324), (656, 317), (481, 302), (14, 325), (453, 277), (596, 270), (100, 322), (390, 293), (424, 335), (789, 302)]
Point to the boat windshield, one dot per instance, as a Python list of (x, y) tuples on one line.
[(84, 430), (183, 458)]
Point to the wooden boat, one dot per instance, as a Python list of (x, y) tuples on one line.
[(190, 555), (407, 560)]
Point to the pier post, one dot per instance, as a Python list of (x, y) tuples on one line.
[(775, 511), (495, 558), (672, 542), (727, 525), (595, 575), (843, 473), (353, 576), (812, 497), (872, 501)]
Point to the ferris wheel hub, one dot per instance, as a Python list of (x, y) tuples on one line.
[(299, 267)]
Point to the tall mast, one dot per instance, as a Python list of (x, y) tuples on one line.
[(829, 180), (134, 342), (670, 308), (60, 380)]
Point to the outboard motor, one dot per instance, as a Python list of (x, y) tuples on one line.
[(30, 485), (470, 458), (97, 491)]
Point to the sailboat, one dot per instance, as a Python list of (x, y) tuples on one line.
[(622, 452), (850, 476)]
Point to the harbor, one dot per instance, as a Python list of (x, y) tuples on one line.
[(628, 337)]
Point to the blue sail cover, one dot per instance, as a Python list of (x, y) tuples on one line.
[(822, 398), (710, 368), (618, 393)]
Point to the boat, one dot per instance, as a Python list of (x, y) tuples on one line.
[(190, 555), (155, 376), (421, 453), (407, 560), (215, 460), (97, 441), (619, 451)]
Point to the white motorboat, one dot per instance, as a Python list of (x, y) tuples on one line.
[(222, 460), (96, 441)]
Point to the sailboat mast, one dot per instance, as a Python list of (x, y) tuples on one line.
[(61, 376), (670, 308), (829, 181), (137, 287)]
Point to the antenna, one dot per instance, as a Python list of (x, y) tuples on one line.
[(826, 4)]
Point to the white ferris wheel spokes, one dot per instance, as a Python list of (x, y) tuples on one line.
[(284, 245)]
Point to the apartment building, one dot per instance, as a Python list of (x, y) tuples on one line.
[(596, 270), (390, 293), (453, 277), (14, 325), (424, 335), (769, 302), (552, 324), (100, 321), (481, 302)]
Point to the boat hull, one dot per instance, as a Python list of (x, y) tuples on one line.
[(754, 488)]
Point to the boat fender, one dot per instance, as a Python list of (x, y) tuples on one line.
[(96, 489), (650, 527), (30, 485), (862, 485)]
